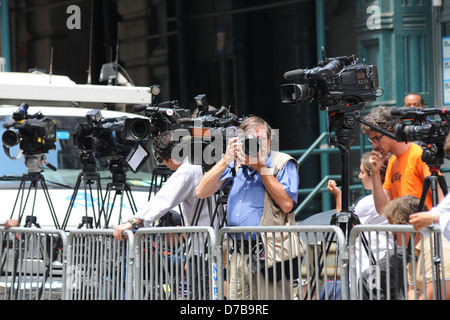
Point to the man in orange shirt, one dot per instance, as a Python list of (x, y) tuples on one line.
[(406, 171)]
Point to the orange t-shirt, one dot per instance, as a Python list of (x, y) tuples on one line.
[(405, 175)]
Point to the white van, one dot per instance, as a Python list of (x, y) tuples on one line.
[(25, 198)]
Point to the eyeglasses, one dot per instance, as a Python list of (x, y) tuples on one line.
[(377, 139)]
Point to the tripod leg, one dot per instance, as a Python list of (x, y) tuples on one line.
[(49, 202), (426, 186), (72, 202)]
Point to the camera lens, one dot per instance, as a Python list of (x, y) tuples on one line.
[(10, 138), (293, 93), (139, 129), (250, 146)]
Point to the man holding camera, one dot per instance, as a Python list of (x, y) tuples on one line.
[(255, 187)]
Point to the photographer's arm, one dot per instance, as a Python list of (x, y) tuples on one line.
[(210, 181), (277, 193), (275, 189)]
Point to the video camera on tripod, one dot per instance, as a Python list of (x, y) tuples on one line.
[(341, 86), (114, 139), (35, 135)]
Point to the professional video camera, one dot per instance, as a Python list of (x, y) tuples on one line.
[(422, 127), (430, 134), (341, 86), (210, 132), (35, 134), (113, 138), (335, 83), (163, 116)]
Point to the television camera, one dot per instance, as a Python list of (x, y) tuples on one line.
[(35, 133), (335, 83), (430, 134), (114, 139)]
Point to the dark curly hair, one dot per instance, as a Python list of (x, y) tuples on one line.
[(163, 145), (381, 117)]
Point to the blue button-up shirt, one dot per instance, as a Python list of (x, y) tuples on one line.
[(246, 198)]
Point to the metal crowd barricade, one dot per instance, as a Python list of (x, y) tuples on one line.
[(98, 266), (403, 269), (32, 264), (175, 263), (303, 272)]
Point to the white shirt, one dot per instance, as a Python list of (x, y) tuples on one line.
[(179, 188), (365, 210), (442, 210)]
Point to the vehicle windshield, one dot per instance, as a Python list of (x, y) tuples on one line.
[(66, 158)]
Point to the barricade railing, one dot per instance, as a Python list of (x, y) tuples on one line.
[(98, 266), (405, 264), (188, 263), (32, 264), (175, 263), (250, 259)]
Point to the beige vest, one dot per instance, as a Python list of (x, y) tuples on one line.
[(273, 216)]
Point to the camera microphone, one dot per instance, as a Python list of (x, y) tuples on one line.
[(294, 74), (412, 111), (183, 121), (139, 107), (404, 111)]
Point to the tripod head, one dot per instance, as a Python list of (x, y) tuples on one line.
[(118, 167), (35, 163), (88, 161)]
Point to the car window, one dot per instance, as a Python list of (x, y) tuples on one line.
[(66, 158)]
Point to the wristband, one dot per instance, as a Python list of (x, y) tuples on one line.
[(432, 217), (131, 220)]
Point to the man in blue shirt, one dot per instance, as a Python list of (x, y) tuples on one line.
[(251, 178)]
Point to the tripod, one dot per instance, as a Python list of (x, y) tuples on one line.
[(118, 168), (89, 176), (34, 164), (160, 171), (433, 156), (343, 119)]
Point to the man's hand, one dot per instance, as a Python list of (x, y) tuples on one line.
[(232, 149), (421, 220), (11, 223), (376, 161), (120, 229)]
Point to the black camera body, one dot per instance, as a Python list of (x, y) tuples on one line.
[(110, 137), (209, 135), (35, 134), (335, 83), (430, 133), (420, 126), (164, 116)]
